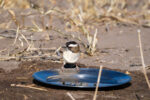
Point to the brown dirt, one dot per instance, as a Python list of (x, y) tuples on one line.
[(117, 49), (136, 90)]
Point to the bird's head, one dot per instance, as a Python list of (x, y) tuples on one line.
[(73, 46)]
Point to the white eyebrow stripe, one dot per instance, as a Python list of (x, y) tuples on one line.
[(73, 45)]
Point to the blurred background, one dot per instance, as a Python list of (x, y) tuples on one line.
[(35, 26), (83, 11)]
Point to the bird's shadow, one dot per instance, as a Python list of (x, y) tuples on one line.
[(84, 89)]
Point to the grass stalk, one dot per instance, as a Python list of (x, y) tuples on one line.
[(17, 34), (98, 81), (28, 86), (142, 59), (69, 94)]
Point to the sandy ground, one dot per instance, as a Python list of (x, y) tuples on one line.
[(117, 49), (117, 46), (136, 90)]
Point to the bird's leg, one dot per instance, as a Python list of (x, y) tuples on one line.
[(62, 68), (77, 67)]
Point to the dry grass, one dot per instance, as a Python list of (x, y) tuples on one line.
[(7, 4), (98, 82), (69, 94), (82, 17), (28, 86), (82, 11), (142, 59)]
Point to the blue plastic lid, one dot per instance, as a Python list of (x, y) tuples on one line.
[(85, 78)]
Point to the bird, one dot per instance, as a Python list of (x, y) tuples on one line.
[(71, 55)]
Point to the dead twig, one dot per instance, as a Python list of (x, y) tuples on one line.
[(22, 78), (25, 39), (69, 94), (98, 81), (25, 97), (13, 16), (142, 59), (4, 58), (7, 58), (3, 50), (17, 33), (137, 97), (2, 2), (37, 27), (49, 49), (28, 86)]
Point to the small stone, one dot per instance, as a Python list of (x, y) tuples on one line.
[(127, 72)]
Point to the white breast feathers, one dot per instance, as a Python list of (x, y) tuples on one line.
[(70, 57)]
